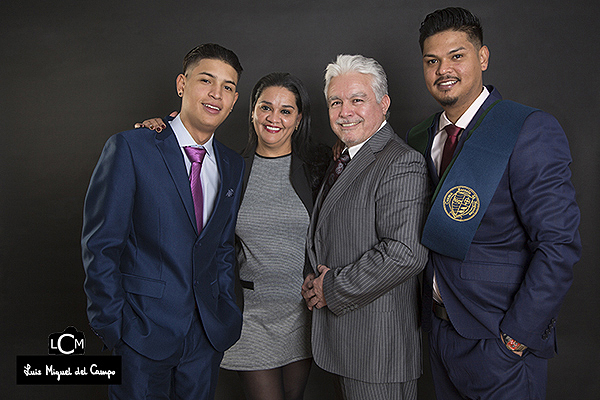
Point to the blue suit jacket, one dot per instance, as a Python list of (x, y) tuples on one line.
[(519, 265), (147, 269)]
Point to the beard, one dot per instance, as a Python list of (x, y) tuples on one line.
[(448, 101), (441, 96)]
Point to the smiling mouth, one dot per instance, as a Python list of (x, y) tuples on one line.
[(346, 125), (211, 107), (446, 82), (272, 129)]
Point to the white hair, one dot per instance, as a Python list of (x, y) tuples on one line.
[(356, 63)]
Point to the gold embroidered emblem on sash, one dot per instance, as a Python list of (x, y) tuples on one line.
[(461, 203)]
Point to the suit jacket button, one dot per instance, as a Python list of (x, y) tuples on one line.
[(545, 336)]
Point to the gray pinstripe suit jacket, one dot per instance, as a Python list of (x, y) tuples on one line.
[(368, 230)]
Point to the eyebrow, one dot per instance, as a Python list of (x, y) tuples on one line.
[(269, 103), (353, 95), (457, 50), (450, 52), (214, 77)]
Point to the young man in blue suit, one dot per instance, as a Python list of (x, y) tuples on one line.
[(502, 227), (158, 250)]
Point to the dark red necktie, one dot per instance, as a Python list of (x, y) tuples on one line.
[(340, 164), (449, 147), (196, 155)]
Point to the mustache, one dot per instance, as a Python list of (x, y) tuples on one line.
[(444, 78), (347, 121)]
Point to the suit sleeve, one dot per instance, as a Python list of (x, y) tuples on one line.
[(106, 227), (401, 203), (545, 202)]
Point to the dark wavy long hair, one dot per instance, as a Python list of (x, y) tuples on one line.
[(316, 156)]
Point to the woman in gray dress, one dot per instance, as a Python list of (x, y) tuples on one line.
[(283, 173)]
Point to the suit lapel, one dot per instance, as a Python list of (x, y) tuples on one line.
[(362, 159), (225, 178), (314, 218), (433, 173), (167, 145)]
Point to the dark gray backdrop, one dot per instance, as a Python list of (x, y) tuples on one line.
[(73, 73)]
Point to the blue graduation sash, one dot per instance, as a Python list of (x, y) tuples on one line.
[(470, 181)]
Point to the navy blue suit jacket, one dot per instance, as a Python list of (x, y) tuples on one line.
[(147, 269), (519, 265)]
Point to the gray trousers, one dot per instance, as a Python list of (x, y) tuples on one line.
[(351, 389)]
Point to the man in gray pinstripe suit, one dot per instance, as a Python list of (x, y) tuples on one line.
[(364, 244)]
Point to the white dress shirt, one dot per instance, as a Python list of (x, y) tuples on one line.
[(209, 174)]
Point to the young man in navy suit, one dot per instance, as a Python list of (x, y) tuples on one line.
[(503, 226), (158, 250)]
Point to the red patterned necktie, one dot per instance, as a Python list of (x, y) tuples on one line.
[(340, 164), (449, 147), (196, 155)]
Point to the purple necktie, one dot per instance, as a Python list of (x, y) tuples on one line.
[(196, 155), (450, 145)]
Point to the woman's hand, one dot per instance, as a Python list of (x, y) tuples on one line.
[(156, 124)]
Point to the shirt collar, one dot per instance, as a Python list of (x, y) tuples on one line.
[(185, 139), (468, 115)]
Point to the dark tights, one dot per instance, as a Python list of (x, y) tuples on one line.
[(283, 383)]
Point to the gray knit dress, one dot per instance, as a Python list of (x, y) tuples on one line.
[(271, 226)]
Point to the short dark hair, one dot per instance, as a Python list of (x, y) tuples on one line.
[(454, 18), (211, 51)]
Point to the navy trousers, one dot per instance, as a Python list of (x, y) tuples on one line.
[(190, 373), (482, 368)]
